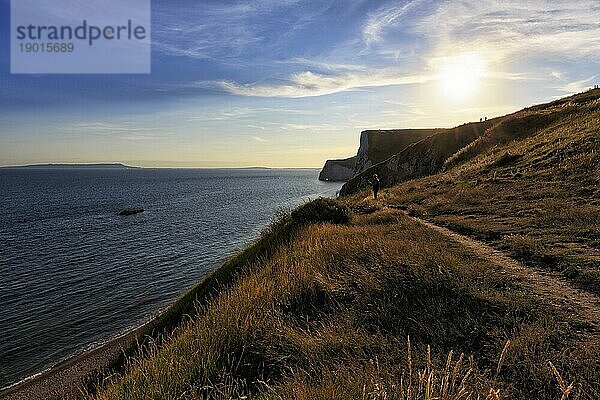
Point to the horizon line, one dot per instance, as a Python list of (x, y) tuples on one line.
[(100, 164)]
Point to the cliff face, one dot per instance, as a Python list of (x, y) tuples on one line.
[(375, 146), (422, 158), (338, 170), (379, 145), (362, 157)]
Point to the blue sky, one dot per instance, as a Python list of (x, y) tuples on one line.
[(291, 83)]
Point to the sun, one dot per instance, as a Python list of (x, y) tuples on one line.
[(460, 76)]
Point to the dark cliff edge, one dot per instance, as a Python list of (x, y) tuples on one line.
[(419, 159), (338, 170), (380, 144), (375, 146)]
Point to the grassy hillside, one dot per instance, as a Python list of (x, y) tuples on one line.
[(329, 315), (530, 186), (379, 306)]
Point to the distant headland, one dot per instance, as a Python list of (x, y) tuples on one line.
[(63, 166)]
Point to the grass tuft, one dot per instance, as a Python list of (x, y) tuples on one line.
[(321, 210)]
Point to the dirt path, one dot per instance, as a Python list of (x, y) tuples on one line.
[(549, 286)]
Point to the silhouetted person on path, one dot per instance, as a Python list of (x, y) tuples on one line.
[(375, 184)]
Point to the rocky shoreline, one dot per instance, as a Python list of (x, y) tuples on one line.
[(64, 380)]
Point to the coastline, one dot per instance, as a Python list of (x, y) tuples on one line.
[(67, 370), (64, 379)]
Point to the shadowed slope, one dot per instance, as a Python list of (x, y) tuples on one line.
[(425, 157)]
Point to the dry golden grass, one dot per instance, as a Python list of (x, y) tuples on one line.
[(327, 316), (532, 190)]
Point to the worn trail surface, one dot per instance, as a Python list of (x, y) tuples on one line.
[(547, 285)]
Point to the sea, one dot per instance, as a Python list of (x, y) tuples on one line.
[(74, 274)]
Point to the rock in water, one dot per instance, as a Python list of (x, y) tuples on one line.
[(131, 211)]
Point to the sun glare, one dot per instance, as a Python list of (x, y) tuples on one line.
[(460, 76)]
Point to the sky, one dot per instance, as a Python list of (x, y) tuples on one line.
[(290, 83)]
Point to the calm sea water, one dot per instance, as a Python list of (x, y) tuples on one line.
[(74, 274)]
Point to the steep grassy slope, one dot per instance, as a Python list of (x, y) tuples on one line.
[(530, 186), (422, 158), (328, 316)]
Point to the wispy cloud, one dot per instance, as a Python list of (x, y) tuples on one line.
[(223, 115), (310, 127), (259, 139), (219, 31), (105, 128), (262, 128), (386, 17), (309, 84), (125, 130), (577, 86), (509, 28), (237, 113), (324, 65), (398, 109)]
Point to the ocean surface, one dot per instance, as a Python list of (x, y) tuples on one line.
[(74, 274)]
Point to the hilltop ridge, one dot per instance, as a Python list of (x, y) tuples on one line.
[(450, 147)]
